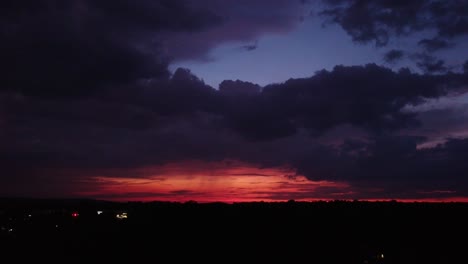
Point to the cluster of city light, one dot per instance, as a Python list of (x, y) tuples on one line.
[(122, 216), (378, 258), (7, 229), (73, 214)]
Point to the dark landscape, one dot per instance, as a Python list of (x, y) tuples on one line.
[(84, 231)]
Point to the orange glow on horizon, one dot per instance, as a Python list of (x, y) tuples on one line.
[(229, 181), (209, 182)]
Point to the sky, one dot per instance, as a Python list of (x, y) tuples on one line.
[(232, 101)]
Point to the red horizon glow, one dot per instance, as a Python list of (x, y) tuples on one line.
[(228, 182)]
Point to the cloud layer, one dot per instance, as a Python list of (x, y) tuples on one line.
[(56, 48), (85, 94), (378, 21), (300, 124)]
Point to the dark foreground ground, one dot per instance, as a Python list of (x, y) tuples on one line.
[(45, 231)]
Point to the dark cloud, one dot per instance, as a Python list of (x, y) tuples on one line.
[(434, 44), (450, 17), (78, 46), (440, 122), (390, 166), (242, 21), (366, 96), (348, 124), (75, 48), (430, 64), (250, 47), (434, 168), (182, 118), (239, 87), (393, 56), (377, 21)]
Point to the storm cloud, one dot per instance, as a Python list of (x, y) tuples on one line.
[(240, 22), (393, 56), (75, 47), (184, 119), (379, 21), (86, 91)]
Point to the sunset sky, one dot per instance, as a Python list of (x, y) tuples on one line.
[(234, 100)]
